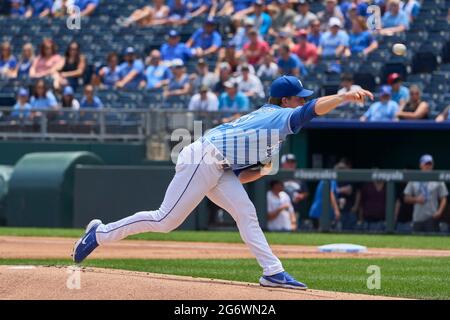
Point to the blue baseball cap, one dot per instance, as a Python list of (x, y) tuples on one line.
[(426, 158), (173, 33), (385, 91), (129, 50), (288, 86), (68, 91), (23, 92)]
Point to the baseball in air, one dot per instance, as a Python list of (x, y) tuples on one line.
[(399, 49)]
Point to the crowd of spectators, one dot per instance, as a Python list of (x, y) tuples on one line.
[(49, 8), (419, 206), (240, 44)]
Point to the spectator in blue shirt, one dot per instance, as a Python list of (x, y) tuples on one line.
[(110, 74), (315, 33), (39, 8), (174, 49), (89, 100), (42, 97), (240, 37), (315, 212), (361, 41), (157, 74), (400, 93), (350, 15), (87, 7), (198, 7), (289, 63), (207, 40), (179, 12), (383, 110), (394, 20), (262, 20), (239, 5), (131, 71), (179, 83), (8, 62), (361, 7), (21, 109), (411, 8), (17, 8), (233, 100), (335, 41), (25, 61)]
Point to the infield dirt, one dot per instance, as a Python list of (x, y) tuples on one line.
[(57, 248)]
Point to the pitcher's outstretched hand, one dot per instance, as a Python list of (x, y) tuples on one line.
[(358, 96)]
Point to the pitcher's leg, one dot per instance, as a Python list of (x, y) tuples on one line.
[(231, 196), (187, 188)]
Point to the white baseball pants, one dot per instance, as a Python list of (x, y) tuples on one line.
[(191, 183)]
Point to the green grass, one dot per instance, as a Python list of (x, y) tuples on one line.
[(380, 241), (424, 278)]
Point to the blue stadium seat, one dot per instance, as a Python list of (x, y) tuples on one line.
[(394, 67), (365, 80), (422, 79), (424, 62)]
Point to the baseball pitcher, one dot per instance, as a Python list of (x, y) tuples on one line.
[(216, 166)]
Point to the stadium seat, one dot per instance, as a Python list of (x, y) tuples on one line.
[(365, 80), (329, 88), (394, 67), (446, 52), (424, 62), (7, 99), (420, 79)]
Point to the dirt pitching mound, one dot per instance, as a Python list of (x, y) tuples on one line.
[(30, 282)]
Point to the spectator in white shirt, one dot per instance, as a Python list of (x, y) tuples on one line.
[(250, 84), (304, 16), (269, 69), (347, 85), (204, 101), (280, 212)]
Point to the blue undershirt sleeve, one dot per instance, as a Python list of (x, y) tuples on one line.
[(302, 115)]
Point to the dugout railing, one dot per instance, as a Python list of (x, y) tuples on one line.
[(140, 124), (103, 124), (390, 177)]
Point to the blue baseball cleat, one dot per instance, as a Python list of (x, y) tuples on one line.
[(84, 246), (282, 280)]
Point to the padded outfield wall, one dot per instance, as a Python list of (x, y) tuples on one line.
[(113, 153)]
